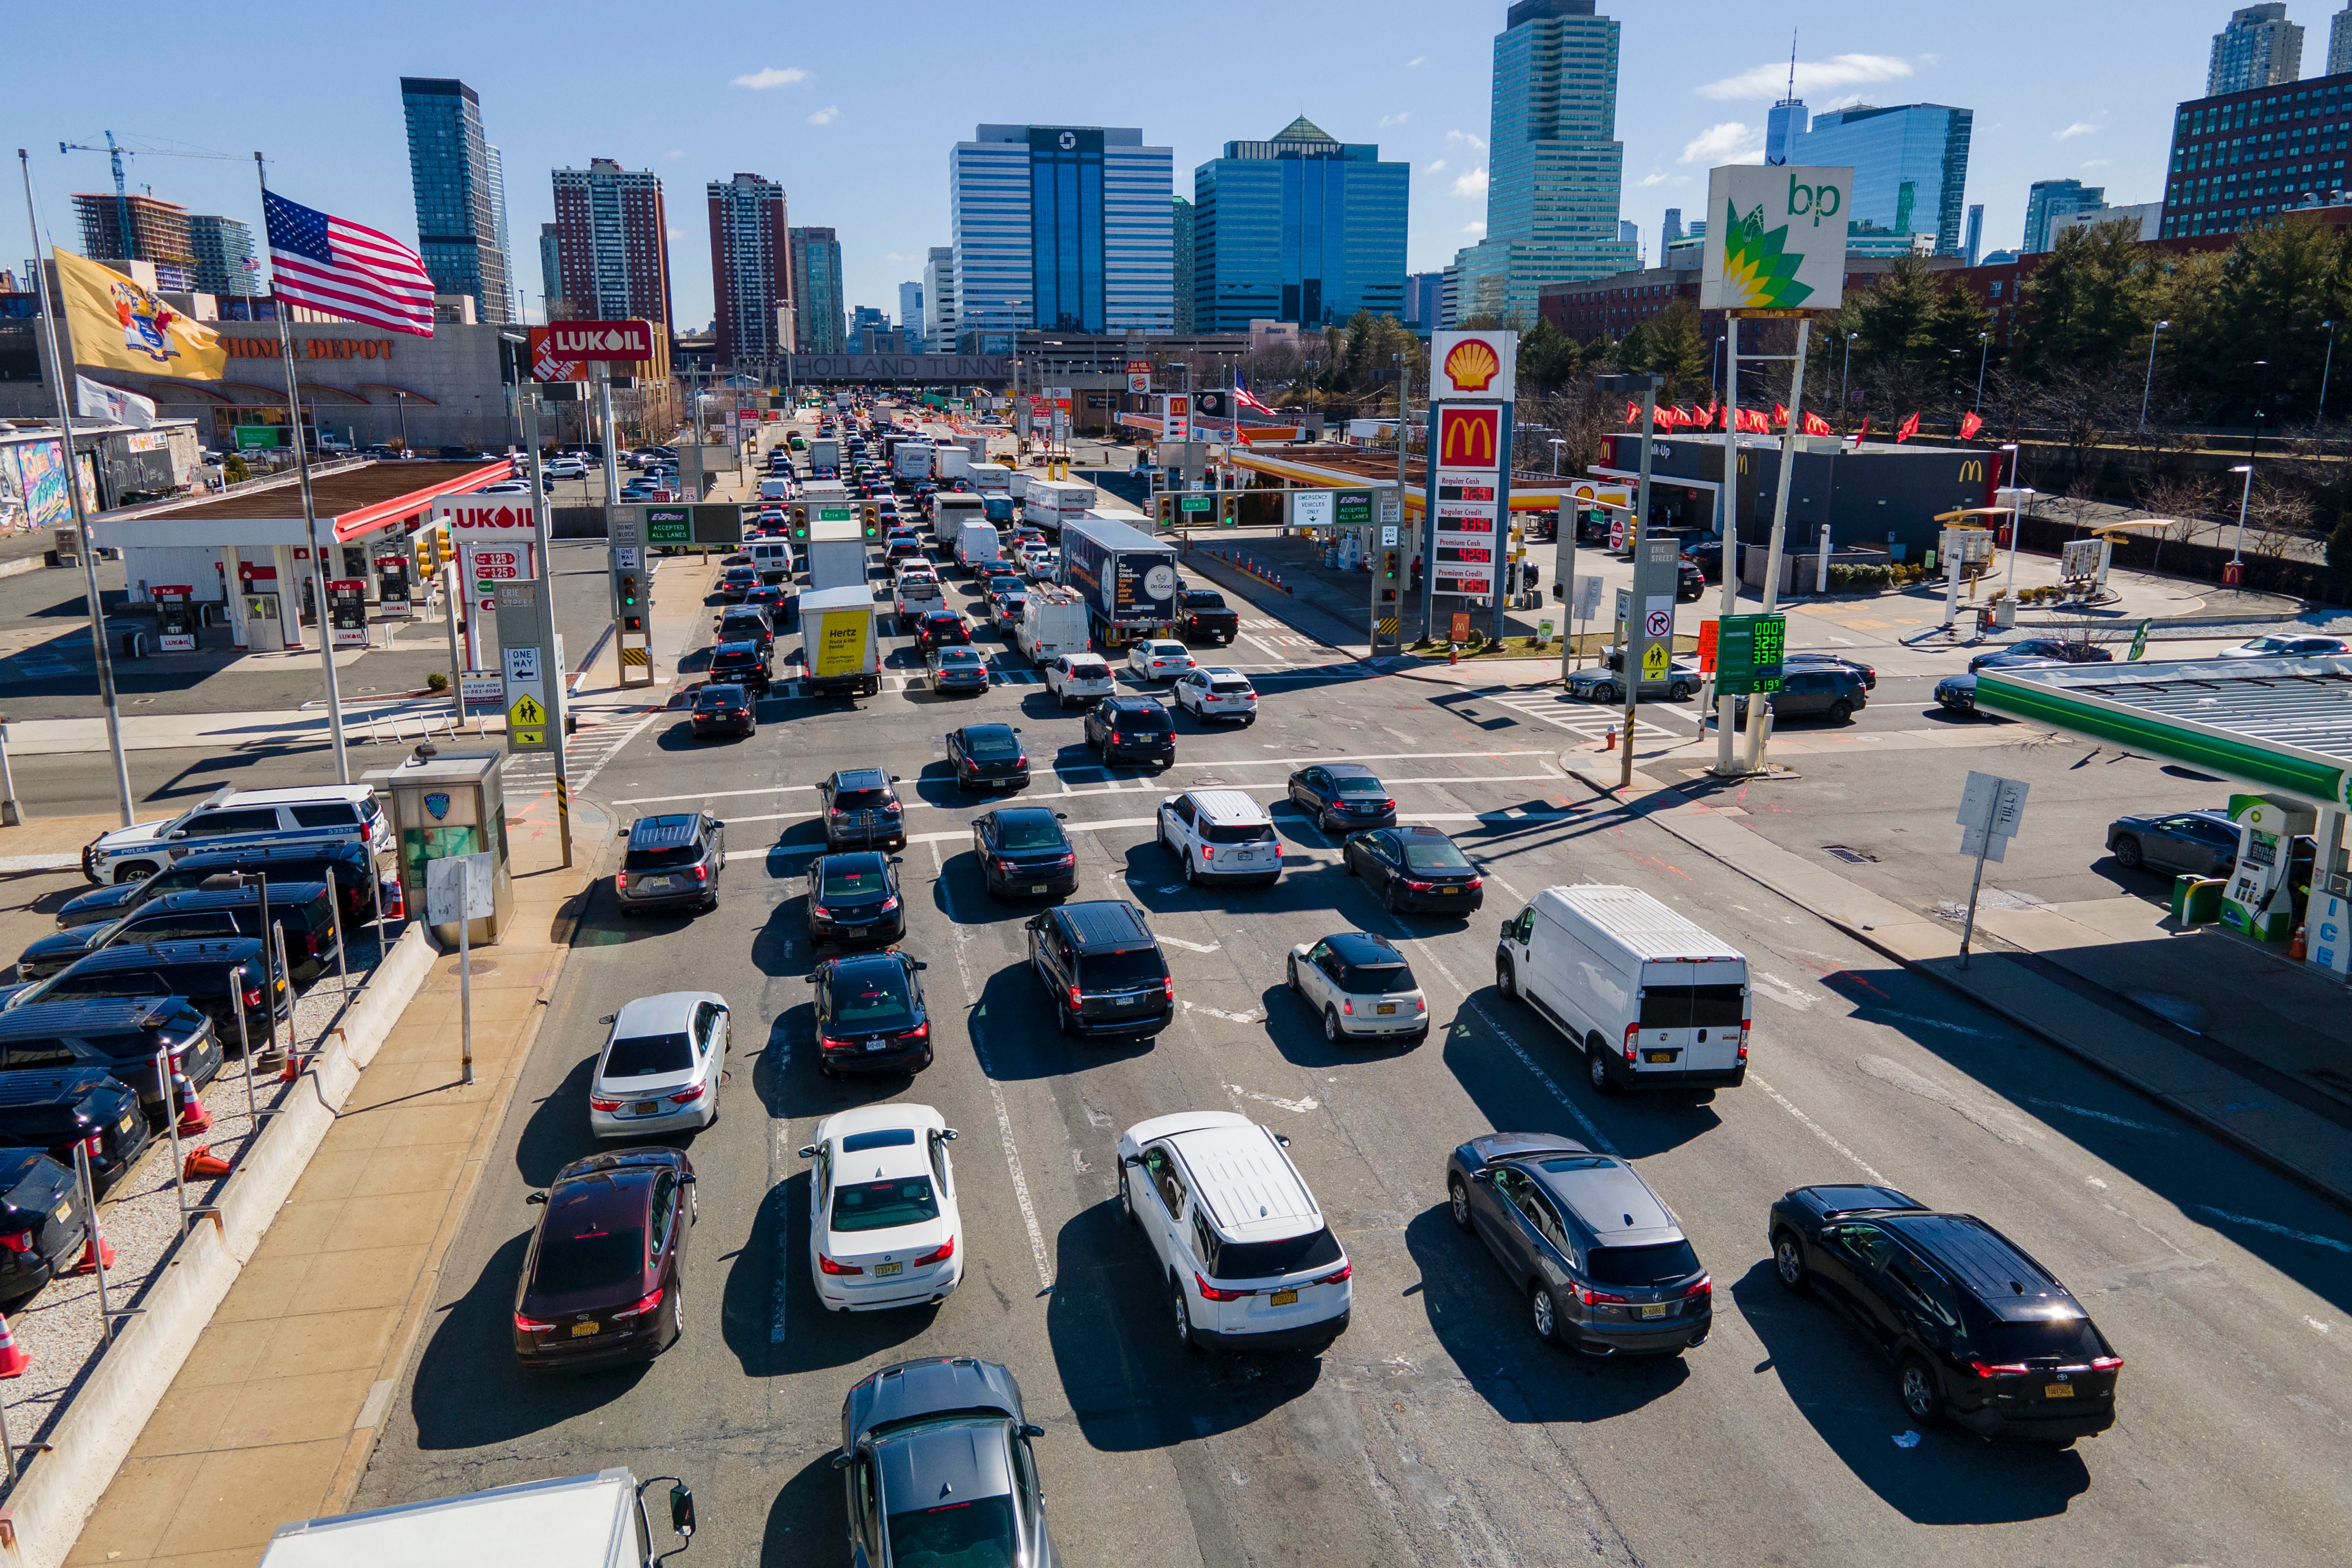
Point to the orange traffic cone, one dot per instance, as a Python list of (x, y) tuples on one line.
[(194, 1117), (13, 1359), (91, 1256), (291, 1070), (201, 1162)]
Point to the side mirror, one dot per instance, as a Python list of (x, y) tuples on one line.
[(1483, 1175), (1132, 1161), (1283, 1139), (947, 1134), (536, 1198), (608, 1018), (1061, 816), (893, 778), (687, 1178), (681, 1510), (808, 1151), (716, 824), (841, 1460), (1031, 1429), (811, 979)]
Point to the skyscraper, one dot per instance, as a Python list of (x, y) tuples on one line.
[(816, 292), (1671, 229), (1631, 232), (911, 315), (2050, 199), (750, 266), (1975, 240), (2260, 48), (612, 238), (1555, 166), (1179, 248), (550, 268), (2339, 43), (224, 256), (458, 219), (1298, 228), (1910, 169), (1066, 227), (496, 163), (1783, 123), (938, 293), (1424, 300), (2228, 171), (159, 230)]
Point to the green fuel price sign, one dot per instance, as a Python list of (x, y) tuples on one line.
[(1747, 656)]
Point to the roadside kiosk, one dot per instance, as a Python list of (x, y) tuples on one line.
[(448, 803)]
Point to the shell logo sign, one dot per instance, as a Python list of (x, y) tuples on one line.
[(1480, 365)]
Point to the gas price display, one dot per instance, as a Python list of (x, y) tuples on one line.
[(1469, 553)]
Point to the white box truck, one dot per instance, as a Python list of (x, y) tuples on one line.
[(1654, 1000), (836, 554), (1051, 503), (949, 511), (580, 1521), (979, 546), (1053, 623), (839, 652), (952, 462), (912, 462)]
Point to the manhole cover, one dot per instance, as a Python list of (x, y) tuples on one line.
[(1851, 856)]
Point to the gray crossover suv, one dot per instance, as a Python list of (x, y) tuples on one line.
[(936, 1464)]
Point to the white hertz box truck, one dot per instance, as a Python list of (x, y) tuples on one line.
[(839, 653), (1653, 1000), (582, 1521)]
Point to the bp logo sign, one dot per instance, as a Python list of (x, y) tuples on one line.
[(1776, 238)]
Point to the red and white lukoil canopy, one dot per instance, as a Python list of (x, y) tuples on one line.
[(486, 517)]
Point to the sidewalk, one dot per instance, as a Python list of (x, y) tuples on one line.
[(274, 1414), (2259, 1083)]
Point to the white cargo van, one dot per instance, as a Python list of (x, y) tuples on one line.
[(1053, 623), (772, 558), (1654, 1000), (977, 546), (582, 1521)]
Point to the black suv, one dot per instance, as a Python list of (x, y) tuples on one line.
[(122, 1037), (852, 895), (744, 664), (353, 866), (748, 623), (1103, 968), (870, 1015), (85, 1105), (672, 862), (1132, 728), (1814, 692), (861, 810), (41, 1222), (300, 909), (198, 970), (1980, 1334)]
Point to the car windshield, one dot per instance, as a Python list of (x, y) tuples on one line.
[(588, 1258), (1229, 683), (1268, 1260), (1693, 1006), (643, 1055), (1380, 979), (991, 742), (1357, 784), (1155, 717), (881, 1205), (871, 996), (974, 1533), (1661, 1263), (853, 879), (1127, 967), (2066, 1339), (1433, 855), (958, 656), (1028, 832)]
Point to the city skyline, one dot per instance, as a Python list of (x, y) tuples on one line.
[(1685, 102)]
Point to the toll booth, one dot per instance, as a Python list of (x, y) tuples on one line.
[(446, 803), (347, 610), (392, 579), (175, 616)]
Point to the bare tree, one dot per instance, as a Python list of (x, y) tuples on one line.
[(2085, 407), (2178, 502)]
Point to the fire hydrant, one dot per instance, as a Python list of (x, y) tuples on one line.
[(1454, 653)]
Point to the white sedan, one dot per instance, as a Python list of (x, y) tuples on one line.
[(1217, 693), (884, 1230), (1154, 659), (661, 1067)]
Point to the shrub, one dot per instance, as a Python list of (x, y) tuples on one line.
[(436, 682), (233, 469)]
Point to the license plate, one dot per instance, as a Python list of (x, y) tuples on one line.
[(877, 1045), (642, 1107), (885, 1270), (1658, 1056), (1283, 1297), (63, 1214), (1653, 1309), (852, 931), (581, 1330), (1386, 1008), (1122, 1001), (1037, 887), (124, 1125), (2057, 1391), (1449, 890), (656, 884)]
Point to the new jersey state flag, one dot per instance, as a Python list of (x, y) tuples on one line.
[(119, 325)]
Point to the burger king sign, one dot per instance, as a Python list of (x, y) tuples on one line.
[(1479, 366)]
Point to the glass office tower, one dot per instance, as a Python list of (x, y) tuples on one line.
[(458, 216), (1299, 229), (1063, 228), (1910, 167)]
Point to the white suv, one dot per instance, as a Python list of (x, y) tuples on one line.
[(1219, 833), (1246, 1260), (135, 853), (1079, 678), (1218, 693)]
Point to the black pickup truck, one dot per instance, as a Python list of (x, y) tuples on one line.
[(1201, 615)]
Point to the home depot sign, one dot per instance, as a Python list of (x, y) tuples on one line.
[(308, 348)]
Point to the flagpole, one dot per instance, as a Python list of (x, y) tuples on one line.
[(53, 317), (310, 510)]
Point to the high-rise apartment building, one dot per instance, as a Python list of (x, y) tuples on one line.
[(2243, 157), (2260, 48), (550, 270), (2051, 199), (225, 260), (1181, 234), (459, 215), (1671, 229), (864, 323), (157, 233), (1299, 229), (910, 315), (1424, 300), (2339, 43), (816, 293), (750, 266), (1974, 241), (613, 239), (1910, 170), (1555, 167), (939, 294), (496, 163), (1063, 228)]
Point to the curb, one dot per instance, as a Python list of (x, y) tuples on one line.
[(2187, 1111), (55, 1492)]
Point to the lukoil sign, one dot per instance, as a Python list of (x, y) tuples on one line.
[(600, 340), (487, 517), (1775, 237)]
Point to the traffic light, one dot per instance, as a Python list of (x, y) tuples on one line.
[(629, 592), (424, 555), (1392, 568), (872, 515), (800, 525), (632, 623)]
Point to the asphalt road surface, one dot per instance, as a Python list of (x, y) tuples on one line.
[(1437, 1430)]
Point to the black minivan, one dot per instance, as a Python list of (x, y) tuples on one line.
[(54, 1110), (300, 909), (1104, 969), (121, 1037), (198, 970)]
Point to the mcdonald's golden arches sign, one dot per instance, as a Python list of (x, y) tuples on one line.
[(1469, 438)]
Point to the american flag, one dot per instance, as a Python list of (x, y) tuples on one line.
[(337, 266), (1247, 399)]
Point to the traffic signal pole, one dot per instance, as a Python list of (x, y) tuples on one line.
[(559, 710)]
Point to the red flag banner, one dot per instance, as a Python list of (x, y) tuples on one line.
[(1817, 425), (1863, 434), (1632, 414), (1780, 417), (1910, 427), (1969, 425)]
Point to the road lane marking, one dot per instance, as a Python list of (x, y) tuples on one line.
[(2326, 1241), (1780, 991), (2098, 1115), (995, 1092), (1816, 1128), (1191, 947), (1254, 1016), (1299, 1105), (782, 1147)]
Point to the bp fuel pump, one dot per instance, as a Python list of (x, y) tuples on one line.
[(2260, 900)]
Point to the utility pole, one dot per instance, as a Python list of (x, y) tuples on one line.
[(1725, 706), (1779, 525)]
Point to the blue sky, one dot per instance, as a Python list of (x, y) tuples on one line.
[(865, 100)]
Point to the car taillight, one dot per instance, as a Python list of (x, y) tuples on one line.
[(892, 809), (1632, 1031), (946, 1251), (1168, 986), (1205, 853), (1345, 1271), (1069, 859), (18, 1241), (621, 880), (689, 1095), (1074, 998), (94, 1145), (1022, 761), (1592, 1297), (532, 1325), (253, 996), (829, 1265), (1210, 1293), (2107, 1363), (645, 1303), (1475, 883), (2012, 1369), (1348, 1006), (1705, 1285), (890, 904), (922, 1031), (608, 1105), (827, 1043), (1420, 1004), (310, 943), (1744, 1024), (1420, 887)]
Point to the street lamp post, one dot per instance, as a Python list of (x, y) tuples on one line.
[(400, 401), (1984, 348), (2245, 494), (2016, 516), (2326, 366), (1845, 374), (2261, 396), (2147, 384)]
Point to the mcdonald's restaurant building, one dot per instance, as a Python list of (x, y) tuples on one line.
[(1879, 496)]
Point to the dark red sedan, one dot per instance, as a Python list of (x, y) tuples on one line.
[(941, 628), (600, 1283)]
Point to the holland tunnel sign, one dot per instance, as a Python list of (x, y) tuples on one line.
[(600, 340)]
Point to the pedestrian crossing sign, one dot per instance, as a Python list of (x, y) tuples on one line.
[(1653, 661), (527, 711)]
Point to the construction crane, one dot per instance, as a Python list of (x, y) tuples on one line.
[(115, 153)]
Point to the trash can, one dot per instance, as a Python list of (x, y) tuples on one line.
[(2196, 900)]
